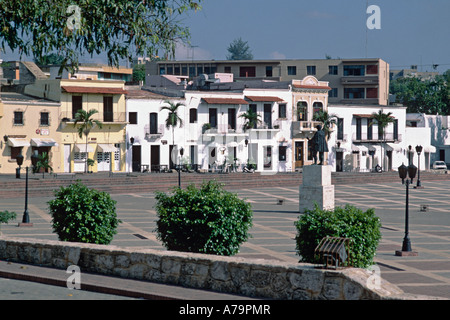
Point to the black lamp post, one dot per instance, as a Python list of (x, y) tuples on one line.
[(419, 151), (405, 172), (26, 217)]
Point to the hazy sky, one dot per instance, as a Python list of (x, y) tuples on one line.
[(412, 31)]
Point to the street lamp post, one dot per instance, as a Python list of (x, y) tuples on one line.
[(26, 217), (405, 172), (419, 151)]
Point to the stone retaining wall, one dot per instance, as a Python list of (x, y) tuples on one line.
[(255, 278)]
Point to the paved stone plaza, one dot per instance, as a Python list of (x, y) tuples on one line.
[(273, 229)]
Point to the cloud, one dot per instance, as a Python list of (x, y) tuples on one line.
[(277, 55), (184, 52)]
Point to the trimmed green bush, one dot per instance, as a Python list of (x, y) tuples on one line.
[(6, 216), (203, 220), (349, 222), (85, 215)]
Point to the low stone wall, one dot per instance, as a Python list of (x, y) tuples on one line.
[(255, 278)]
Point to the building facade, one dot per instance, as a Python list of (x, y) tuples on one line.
[(351, 81), (105, 146)]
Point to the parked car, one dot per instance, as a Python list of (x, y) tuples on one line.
[(439, 165)]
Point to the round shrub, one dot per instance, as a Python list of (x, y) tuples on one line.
[(85, 215), (348, 222), (204, 220)]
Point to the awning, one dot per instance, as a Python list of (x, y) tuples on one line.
[(429, 149), (393, 147), (264, 99), (18, 142), (43, 143), (81, 147), (224, 101), (106, 147), (94, 90)]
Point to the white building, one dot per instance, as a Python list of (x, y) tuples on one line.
[(357, 144), (213, 137)]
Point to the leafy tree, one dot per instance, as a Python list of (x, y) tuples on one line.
[(50, 59), (239, 50), (73, 28), (85, 122), (139, 72), (429, 96)]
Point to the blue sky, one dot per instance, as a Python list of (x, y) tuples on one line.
[(412, 31)]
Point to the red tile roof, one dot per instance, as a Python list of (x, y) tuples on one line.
[(98, 90), (264, 99), (224, 101), (301, 86)]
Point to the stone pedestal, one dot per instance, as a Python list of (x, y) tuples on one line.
[(316, 188)]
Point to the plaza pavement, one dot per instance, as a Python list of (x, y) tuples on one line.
[(273, 230)]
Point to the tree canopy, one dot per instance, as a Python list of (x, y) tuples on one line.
[(429, 96), (72, 28), (239, 50)]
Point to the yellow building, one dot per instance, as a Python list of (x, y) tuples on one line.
[(105, 146), (28, 125)]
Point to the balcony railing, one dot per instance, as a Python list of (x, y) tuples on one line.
[(304, 126), (359, 80), (108, 117), (364, 137)]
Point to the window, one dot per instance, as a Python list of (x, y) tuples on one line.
[(282, 153), (162, 70), (232, 118), (282, 111), (213, 117), (199, 69), (177, 70), (333, 93), (227, 69), (132, 117), (317, 107), (358, 129), (153, 123), (396, 129), (372, 69), (77, 104), (18, 118), (268, 115), (269, 72), (108, 109), (369, 129), (333, 70), (107, 75), (184, 70), (170, 69), (247, 72), (192, 115), (354, 70), (311, 70), (292, 70), (253, 108), (45, 119), (353, 93), (340, 129), (302, 111), (372, 93)]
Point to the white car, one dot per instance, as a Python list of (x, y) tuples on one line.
[(439, 165)]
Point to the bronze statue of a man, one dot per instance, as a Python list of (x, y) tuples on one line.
[(318, 144)]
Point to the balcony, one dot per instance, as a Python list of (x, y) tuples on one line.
[(152, 134), (375, 138), (223, 129), (304, 126), (348, 80), (108, 117)]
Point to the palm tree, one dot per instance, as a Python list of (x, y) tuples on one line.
[(43, 163), (327, 119), (173, 119), (86, 123), (251, 120), (383, 120)]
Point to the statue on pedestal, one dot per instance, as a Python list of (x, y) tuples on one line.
[(318, 144)]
